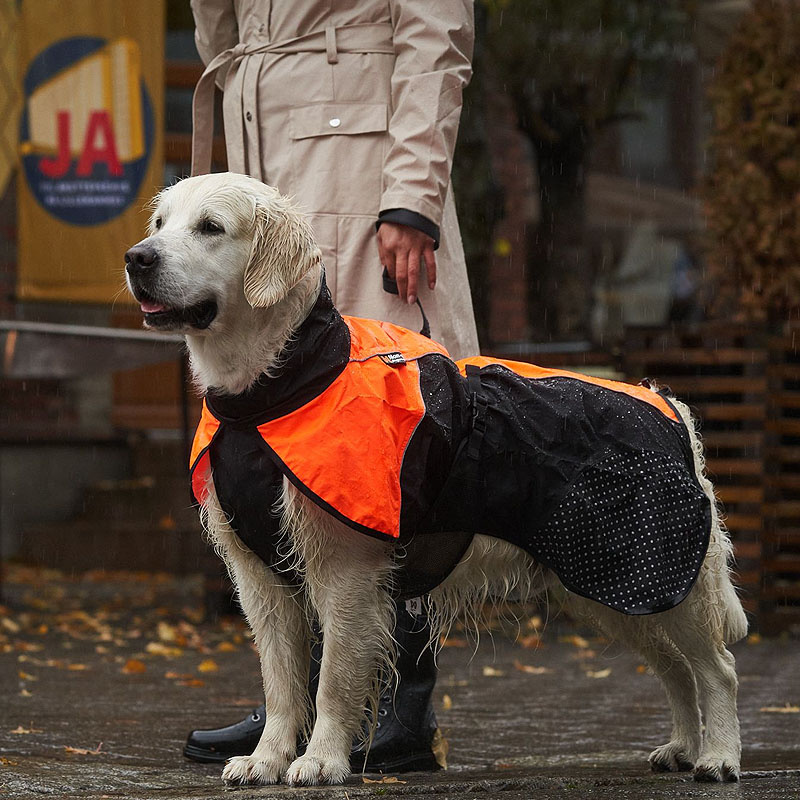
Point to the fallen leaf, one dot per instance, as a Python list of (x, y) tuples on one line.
[(7, 762), (534, 623), (384, 779), (530, 642), (80, 751), (40, 662), (600, 673), (530, 669), (160, 649), (787, 709), (183, 676), (642, 668), (440, 747), (226, 647), (209, 665), (447, 702), (491, 672), (9, 625), (133, 667), (26, 676), (25, 693), (30, 647), (169, 633), (454, 641), (76, 667), (578, 641), (192, 683), (754, 638), (20, 731)]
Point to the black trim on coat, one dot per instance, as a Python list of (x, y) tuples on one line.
[(404, 216), (310, 363)]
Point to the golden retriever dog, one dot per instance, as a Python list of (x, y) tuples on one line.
[(234, 266)]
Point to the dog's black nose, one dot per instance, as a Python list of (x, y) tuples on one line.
[(140, 257)]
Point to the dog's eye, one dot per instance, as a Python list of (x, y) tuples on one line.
[(209, 226), (157, 223)]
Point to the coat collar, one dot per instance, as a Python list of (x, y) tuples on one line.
[(310, 363)]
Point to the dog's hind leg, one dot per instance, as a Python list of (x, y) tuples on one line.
[(644, 636), (346, 578), (714, 668), (280, 630), (700, 626)]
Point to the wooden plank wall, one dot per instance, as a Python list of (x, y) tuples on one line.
[(721, 372), (780, 591)]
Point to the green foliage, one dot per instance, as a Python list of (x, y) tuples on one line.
[(752, 194)]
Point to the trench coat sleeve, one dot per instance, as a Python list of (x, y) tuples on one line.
[(216, 29), (433, 63)]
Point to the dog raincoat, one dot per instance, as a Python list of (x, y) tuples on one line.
[(379, 427)]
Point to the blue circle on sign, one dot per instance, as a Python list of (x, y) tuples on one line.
[(91, 180)]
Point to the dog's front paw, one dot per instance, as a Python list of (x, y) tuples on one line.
[(309, 770), (252, 770), (717, 770), (672, 757)]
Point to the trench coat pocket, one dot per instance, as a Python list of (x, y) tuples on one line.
[(338, 150), (331, 119)]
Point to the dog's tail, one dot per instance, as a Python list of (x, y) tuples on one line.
[(725, 612)]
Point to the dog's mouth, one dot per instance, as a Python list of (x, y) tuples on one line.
[(164, 317)]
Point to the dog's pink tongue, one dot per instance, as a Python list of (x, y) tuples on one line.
[(151, 308)]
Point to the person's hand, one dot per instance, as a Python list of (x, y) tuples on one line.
[(403, 251)]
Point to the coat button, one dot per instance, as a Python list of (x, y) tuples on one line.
[(248, 116), (335, 122)]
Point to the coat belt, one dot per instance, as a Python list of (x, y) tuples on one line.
[(373, 37)]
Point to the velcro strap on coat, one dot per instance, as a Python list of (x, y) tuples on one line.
[(478, 406)]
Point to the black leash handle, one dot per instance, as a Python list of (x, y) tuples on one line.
[(390, 286)]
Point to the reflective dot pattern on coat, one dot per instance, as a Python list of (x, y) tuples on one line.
[(631, 532)]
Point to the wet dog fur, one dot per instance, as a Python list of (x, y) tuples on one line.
[(233, 265)]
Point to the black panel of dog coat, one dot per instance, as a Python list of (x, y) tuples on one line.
[(595, 484), (249, 488)]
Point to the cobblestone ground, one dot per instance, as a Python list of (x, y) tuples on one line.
[(102, 675)]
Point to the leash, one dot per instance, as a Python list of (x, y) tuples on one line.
[(390, 286)]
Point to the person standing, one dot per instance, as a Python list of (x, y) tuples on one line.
[(352, 108)]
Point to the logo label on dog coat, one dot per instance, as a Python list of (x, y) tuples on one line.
[(393, 359)]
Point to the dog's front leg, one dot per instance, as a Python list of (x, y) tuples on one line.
[(281, 636), (356, 615)]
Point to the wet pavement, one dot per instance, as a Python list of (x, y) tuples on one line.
[(102, 677)]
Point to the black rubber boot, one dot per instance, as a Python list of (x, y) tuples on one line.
[(406, 724), (220, 744)]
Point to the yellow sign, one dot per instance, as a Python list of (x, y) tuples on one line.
[(90, 141)]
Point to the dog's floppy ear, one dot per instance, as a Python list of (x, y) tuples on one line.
[(283, 251)]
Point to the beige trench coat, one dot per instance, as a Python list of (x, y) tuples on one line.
[(352, 108)]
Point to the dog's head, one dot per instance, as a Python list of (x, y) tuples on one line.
[(214, 242)]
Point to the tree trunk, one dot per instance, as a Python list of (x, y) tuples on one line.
[(561, 277)]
